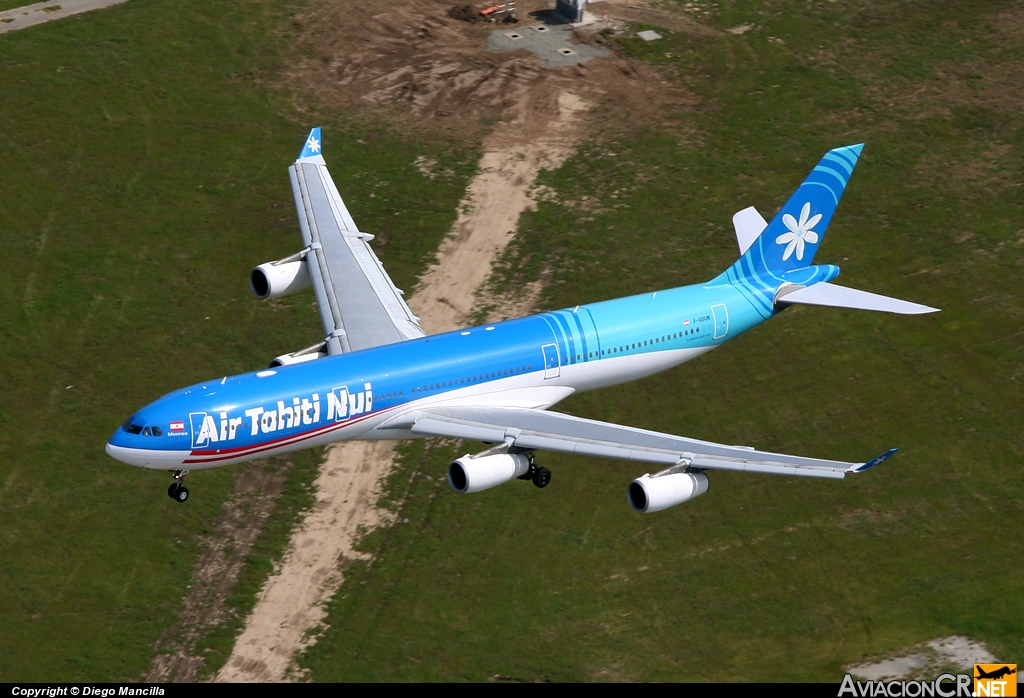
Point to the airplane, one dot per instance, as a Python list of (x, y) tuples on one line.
[(378, 375), (994, 674)]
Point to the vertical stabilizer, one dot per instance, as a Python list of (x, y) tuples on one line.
[(791, 239)]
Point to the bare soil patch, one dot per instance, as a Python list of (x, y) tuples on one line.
[(428, 73)]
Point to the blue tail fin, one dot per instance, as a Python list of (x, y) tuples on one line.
[(793, 236)]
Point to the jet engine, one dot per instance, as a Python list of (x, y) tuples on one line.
[(281, 278), (648, 494), (473, 474), (312, 353)]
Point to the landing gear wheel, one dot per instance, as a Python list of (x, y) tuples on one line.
[(541, 477), (177, 490)]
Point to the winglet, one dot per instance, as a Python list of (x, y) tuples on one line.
[(877, 460), (313, 145)]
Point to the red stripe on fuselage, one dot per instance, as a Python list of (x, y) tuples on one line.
[(212, 456)]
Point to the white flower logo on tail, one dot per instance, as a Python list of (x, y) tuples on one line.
[(799, 232), (313, 145)]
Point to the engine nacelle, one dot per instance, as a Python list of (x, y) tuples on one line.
[(469, 474), (648, 494), (317, 351), (275, 279)]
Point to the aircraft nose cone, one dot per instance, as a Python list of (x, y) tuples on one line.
[(121, 453), (122, 447), (144, 452)]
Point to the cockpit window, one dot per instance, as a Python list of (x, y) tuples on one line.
[(132, 428), (157, 431)]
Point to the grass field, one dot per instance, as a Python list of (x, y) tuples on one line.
[(763, 578), (143, 167), (143, 174)]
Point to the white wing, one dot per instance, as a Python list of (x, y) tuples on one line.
[(359, 305), (551, 431)]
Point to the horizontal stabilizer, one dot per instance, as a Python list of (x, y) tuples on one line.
[(834, 296), (749, 225)]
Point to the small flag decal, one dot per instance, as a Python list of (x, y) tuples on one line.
[(177, 426)]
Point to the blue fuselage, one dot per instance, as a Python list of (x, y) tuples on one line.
[(530, 362)]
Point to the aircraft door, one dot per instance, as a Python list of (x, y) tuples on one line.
[(550, 360), (721, 314)]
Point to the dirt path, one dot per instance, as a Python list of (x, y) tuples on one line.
[(293, 602), (31, 15), (500, 192), (227, 547)]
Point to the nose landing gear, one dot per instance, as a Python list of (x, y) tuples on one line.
[(177, 491)]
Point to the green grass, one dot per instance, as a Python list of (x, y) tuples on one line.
[(763, 578), (144, 174)]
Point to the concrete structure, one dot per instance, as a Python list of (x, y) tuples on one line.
[(555, 44), (572, 10)]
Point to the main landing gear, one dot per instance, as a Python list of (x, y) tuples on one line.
[(177, 491), (540, 476)]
